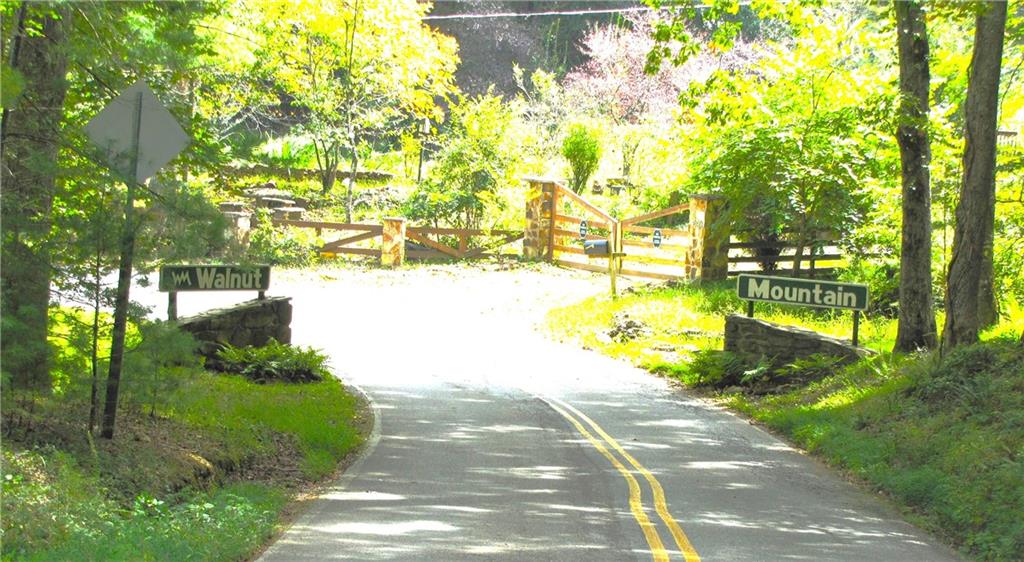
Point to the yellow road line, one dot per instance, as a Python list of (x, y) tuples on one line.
[(660, 503), (658, 551)]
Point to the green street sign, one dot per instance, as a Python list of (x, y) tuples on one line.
[(175, 278), (802, 292)]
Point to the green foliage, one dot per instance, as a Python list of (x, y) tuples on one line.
[(582, 148), (11, 84), (938, 434), (318, 415), (805, 175), (275, 362), (287, 246), (474, 163), (158, 364), (53, 510), (287, 152), (721, 369), (883, 281)]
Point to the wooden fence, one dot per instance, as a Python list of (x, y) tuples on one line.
[(819, 257), (393, 242)]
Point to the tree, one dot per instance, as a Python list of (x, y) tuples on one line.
[(474, 162), (916, 328), (353, 69), (975, 211), (29, 142), (582, 148)]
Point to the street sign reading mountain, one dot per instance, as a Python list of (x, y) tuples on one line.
[(803, 292), (175, 278)]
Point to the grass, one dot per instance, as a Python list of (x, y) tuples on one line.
[(165, 487), (684, 319), (942, 436), (319, 416), (54, 510)]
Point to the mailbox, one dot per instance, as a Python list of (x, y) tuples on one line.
[(596, 248)]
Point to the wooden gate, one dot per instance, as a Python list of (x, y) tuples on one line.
[(569, 211), (555, 217), (657, 253)]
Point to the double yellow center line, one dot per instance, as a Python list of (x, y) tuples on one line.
[(635, 497)]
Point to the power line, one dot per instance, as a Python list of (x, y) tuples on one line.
[(537, 14)]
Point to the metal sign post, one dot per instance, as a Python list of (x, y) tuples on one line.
[(139, 136)]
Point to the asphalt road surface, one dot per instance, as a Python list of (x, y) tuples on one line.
[(493, 441)]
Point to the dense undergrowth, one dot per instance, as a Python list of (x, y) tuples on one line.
[(203, 478), (943, 436)]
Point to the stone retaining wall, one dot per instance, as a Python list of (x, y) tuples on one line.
[(249, 323), (784, 343)]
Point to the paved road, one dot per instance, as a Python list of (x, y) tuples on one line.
[(494, 442)]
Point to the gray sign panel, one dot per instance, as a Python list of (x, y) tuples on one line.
[(803, 292), (160, 136), (175, 278)]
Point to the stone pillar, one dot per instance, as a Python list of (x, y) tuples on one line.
[(392, 247), (708, 257), (538, 219)]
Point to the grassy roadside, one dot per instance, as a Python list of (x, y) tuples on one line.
[(208, 477), (943, 437)]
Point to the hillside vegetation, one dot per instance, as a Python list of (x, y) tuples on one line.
[(942, 436)]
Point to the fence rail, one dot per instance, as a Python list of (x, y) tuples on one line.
[(418, 242)]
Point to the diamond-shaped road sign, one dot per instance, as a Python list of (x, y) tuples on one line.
[(160, 136)]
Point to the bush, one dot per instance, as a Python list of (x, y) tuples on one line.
[(583, 151), (721, 369), (55, 510), (883, 281), (275, 362), (281, 246)]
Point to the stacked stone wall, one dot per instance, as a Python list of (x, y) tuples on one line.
[(783, 343), (249, 323)]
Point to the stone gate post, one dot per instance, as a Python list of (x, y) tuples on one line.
[(538, 218), (392, 247), (708, 257)]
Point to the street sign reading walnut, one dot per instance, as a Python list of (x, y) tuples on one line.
[(175, 278)]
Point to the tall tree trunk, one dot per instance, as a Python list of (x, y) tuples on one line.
[(977, 191), (916, 328), (29, 139), (988, 304)]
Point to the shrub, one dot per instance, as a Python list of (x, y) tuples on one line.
[(275, 362), (582, 149), (883, 281), (720, 369), (287, 246)]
